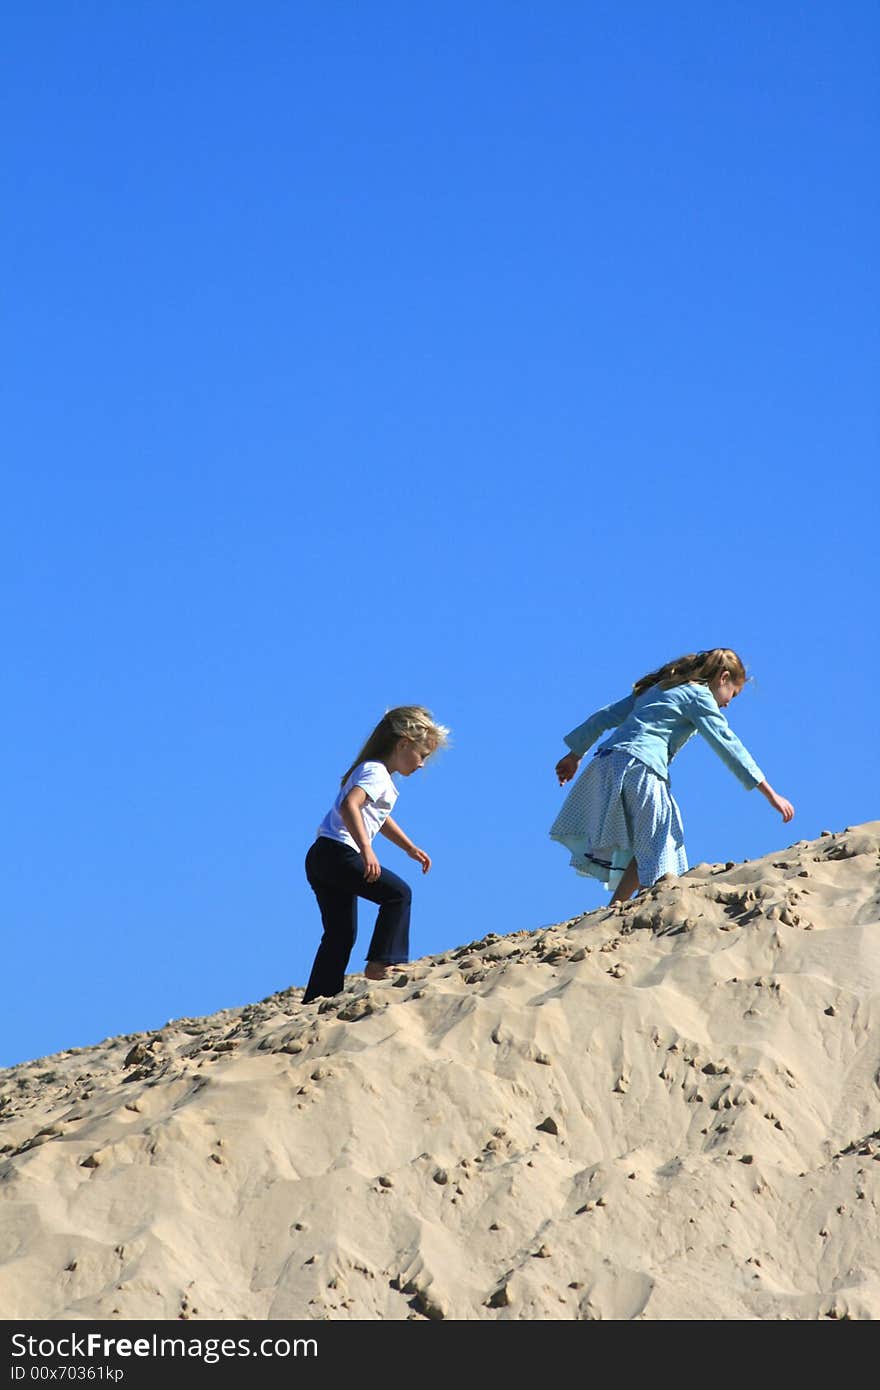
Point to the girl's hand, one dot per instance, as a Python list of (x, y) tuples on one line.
[(567, 767), (785, 808), (372, 867), (779, 803), (422, 858)]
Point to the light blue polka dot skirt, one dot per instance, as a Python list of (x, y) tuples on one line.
[(617, 810)]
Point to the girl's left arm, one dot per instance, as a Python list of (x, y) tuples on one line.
[(392, 831), (585, 735), (609, 717)]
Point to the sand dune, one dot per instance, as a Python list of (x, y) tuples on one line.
[(665, 1110)]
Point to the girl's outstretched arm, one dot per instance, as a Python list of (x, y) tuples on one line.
[(609, 717), (703, 712), (392, 831), (779, 803), (581, 738), (711, 723)]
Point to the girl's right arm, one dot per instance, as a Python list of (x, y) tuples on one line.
[(711, 723), (350, 811), (779, 803)]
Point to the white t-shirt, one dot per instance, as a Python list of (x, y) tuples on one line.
[(381, 796)]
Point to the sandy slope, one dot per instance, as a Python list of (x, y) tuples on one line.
[(670, 1110)]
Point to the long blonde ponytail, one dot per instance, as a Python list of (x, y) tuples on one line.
[(695, 666)]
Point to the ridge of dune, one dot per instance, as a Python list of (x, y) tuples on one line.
[(668, 1109)]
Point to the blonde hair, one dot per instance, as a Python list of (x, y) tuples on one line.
[(412, 722), (704, 667)]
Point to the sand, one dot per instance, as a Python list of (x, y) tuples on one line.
[(665, 1110)]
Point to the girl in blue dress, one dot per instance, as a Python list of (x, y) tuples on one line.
[(620, 821)]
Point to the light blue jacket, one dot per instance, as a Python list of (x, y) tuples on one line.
[(653, 726)]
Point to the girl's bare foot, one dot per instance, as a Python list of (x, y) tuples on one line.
[(378, 970)]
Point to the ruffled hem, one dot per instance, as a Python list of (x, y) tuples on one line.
[(606, 865), (619, 810)]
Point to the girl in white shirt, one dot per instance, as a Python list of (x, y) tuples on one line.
[(341, 865)]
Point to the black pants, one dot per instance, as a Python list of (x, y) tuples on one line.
[(336, 874)]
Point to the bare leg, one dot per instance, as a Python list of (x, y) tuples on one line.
[(628, 884)]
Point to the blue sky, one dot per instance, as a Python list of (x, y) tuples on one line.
[(476, 355)]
